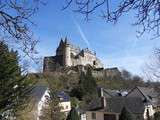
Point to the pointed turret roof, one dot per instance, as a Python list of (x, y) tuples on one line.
[(66, 41), (61, 42)]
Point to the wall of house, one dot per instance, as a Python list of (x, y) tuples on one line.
[(151, 111), (83, 116), (66, 106), (99, 115)]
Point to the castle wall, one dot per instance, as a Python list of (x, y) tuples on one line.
[(84, 60), (74, 50)]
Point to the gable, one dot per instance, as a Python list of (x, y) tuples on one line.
[(136, 93)]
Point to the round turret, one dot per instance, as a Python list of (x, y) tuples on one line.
[(67, 54)]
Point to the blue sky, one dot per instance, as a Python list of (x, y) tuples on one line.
[(116, 45)]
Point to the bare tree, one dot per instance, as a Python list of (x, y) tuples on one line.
[(152, 67), (16, 24), (147, 11)]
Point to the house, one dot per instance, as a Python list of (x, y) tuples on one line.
[(140, 102), (111, 109), (64, 103), (149, 96)]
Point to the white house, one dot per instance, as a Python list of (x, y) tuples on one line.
[(65, 103)]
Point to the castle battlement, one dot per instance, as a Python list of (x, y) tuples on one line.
[(68, 55)]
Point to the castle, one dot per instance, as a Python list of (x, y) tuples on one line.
[(68, 55)]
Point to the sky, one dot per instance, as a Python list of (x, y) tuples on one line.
[(116, 45)]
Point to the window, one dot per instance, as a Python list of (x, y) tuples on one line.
[(67, 107), (109, 117), (93, 116), (94, 62)]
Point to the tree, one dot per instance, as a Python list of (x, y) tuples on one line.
[(125, 115), (77, 92), (16, 24), (146, 12), (126, 75), (152, 70), (89, 85), (74, 102), (73, 115), (52, 109), (157, 116), (15, 88)]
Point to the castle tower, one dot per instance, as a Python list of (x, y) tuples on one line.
[(67, 53)]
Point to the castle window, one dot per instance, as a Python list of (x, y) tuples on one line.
[(72, 55), (94, 62)]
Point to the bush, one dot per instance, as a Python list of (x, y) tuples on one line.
[(157, 115)]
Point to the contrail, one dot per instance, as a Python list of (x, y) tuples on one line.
[(82, 34)]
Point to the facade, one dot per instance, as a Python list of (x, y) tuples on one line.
[(68, 55)]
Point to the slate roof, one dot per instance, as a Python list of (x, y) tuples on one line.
[(39, 91), (150, 94), (95, 104), (115, 105), (63, 96), (111, 93)]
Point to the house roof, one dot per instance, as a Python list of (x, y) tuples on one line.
[(39, 91), (133, 105), (63, 96), (150, 94), (111, 93)]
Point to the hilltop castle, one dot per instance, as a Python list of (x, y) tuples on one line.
[(68, 55)]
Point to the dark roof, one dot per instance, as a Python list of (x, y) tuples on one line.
[(113, 68), (151, 96), (63, 96), (146, 91), (38, 92), (112, 93), (133, 105)]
